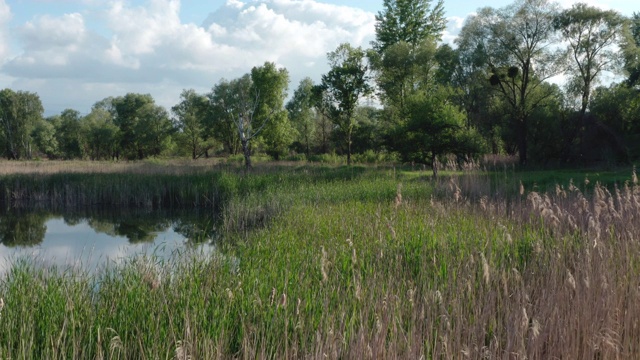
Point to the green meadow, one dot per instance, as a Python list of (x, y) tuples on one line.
[(320, 261)]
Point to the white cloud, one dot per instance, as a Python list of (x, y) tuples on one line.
[(451, 32), (5, 16), (148, 47)]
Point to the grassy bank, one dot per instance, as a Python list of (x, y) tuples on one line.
[(357, 263)]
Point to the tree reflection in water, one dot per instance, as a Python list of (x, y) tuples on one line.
[(28, 228), (23, 229)]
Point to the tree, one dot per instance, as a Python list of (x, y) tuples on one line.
[(101, 135), (20, 112), (631, 51), (437, 127), (520, 58), (342, 88), (250, 102), (44, 137), (68, 134), (271, 85), (590, 33), (191, 117), (409, 21), (220, 123), (145, 128), (616, 110), (302, 113)]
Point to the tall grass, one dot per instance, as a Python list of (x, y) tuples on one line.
[(358, 263)]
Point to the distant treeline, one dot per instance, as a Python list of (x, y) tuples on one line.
[(491, 93)]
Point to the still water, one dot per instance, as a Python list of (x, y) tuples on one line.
[(92, 238)]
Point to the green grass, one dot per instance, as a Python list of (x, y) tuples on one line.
[(352, 262)]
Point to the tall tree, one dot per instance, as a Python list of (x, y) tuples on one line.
[(20, 112), (591, 34), (250, 102), (518, 48), (271, 85), (145, 128), (191, 117), (100, 133), (409, 21), (631, 50), (342, 88), (220, 122), (44, 137), (302, 113), (68, 134)]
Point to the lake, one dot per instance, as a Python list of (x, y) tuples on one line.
[(91, 238)]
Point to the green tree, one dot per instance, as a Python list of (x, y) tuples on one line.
[(631, 50), (44, 137), (474, 92), (145, 128), (100, 132), (271, 85), (220, 122), (591, 34), (302, 114), (616, 110), (409, 21), (68, 134), (519, 39), (437, 127), (20, 112), (191, 118), (248, 104), (342, 88)]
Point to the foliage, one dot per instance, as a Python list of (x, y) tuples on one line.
[(248, 104), (191, 121), (517, 37), (302, 114), (145, 128), (591, 34), (342, 88), (616, 111), (20, 112), (44, 138), (436, 127), (409, 21), (68, 134)]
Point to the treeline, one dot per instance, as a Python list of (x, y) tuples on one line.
[(491, 93)]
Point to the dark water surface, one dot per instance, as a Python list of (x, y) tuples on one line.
[(91, 238)]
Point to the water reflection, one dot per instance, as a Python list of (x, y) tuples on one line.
[(28, 228), (91, 237)]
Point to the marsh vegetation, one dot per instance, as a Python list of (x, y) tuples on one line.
[(355, 262)]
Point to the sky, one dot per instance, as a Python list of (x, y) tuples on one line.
[(74, 53)]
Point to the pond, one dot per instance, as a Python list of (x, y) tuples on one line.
[(91, 238)]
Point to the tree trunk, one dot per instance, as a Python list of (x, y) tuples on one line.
[(349, 147), (247, 154), (522, 141), (434, 165)]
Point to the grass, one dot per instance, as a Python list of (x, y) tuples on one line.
[(359, 262)]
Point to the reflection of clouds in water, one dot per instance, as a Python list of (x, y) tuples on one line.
[(81, 247)]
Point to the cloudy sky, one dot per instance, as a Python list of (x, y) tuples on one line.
[(76, 52)]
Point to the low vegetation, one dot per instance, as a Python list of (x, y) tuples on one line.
[(355, 262)]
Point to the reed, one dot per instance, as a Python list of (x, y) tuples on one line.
[(348, 263)]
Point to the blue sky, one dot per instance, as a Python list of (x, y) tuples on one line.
[(76, 52)]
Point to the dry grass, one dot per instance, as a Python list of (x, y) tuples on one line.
[(173, 166)]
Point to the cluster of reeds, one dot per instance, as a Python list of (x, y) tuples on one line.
[(360, 264)]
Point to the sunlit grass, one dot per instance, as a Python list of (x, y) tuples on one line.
[(357, 262)]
